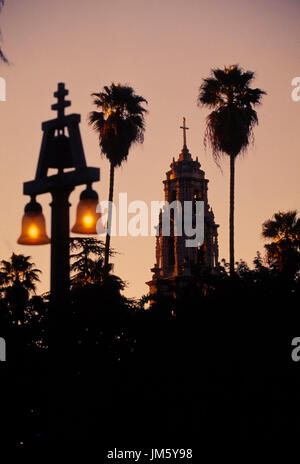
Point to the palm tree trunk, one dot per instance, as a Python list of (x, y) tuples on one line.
[(110, 199), (231, 216)]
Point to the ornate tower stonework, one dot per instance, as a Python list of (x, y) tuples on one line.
[(176, 264)]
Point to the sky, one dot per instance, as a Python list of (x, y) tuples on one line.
[(163, 49)]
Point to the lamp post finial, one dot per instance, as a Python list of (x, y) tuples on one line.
[(61, 102)]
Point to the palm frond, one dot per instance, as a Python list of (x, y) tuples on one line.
[(229, 127), (120, 123)]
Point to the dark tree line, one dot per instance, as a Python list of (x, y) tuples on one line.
[(152, 369)]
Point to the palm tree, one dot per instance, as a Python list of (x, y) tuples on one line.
[(229, 127), (18, 278), (284, 251), (2, 56), (120, 124)]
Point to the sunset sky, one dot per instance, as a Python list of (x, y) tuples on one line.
[(162, 49)]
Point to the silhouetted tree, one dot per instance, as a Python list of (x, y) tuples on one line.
[(120, 124), (18, 278), (81, 261), (229, 126), (284, 250), (95, 294)]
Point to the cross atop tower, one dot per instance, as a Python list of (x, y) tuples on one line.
[(61, 103), (184, 132)]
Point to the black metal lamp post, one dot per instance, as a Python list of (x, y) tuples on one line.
[(61, 152)]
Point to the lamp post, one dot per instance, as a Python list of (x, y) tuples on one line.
[(61, 152)]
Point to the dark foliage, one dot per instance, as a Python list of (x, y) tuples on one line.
[(283, 253), (214, 361)]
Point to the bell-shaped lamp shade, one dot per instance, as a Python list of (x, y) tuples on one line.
[(87, 217), (33, 225)]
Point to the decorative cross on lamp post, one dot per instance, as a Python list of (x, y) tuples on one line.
[(61, 104), (60, 152)]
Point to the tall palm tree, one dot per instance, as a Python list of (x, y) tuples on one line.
[(120, 124), (18, 278), (284, 250), (2, 56), (229, 127)]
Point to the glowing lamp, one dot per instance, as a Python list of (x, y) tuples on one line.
[(33, 225), (87, 217)]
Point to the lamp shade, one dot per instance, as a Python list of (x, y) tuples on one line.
[(87, 217), (33, 225)]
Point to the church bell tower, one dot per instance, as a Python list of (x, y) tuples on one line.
[(176, 264)]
